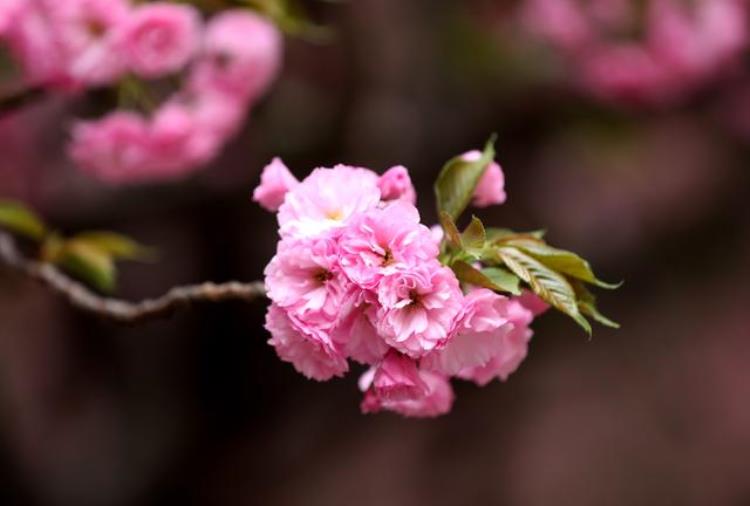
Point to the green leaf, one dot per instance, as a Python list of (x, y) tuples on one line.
[(118, 246), (456, 183), (18, 219), (88, 263), (587, 305), (499, 282), (474, 236), (548, 284), (503, 278), (499, 234), (565, 262), (292, 18), (452, 235)]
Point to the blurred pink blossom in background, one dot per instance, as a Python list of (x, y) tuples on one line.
[(114, 149), (159, 38), (69, 46), (652, 52), (240, 56)]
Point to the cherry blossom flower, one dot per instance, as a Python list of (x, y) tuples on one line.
[(355, 332), (304, 279), (221, 71), (418, 307), (88, 31), (311, 352), (327, 199), (125, 147), (33, 43), (240, 56), (695, 41), (653, 52), (384, 240), (511, 352), (356, 276), (9, 9), (114, 149), (436, 399), (160, 38), (478, 336), (396, 378), (627, 73)]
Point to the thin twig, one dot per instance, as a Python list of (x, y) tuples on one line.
[(117, 310), (18, 99)]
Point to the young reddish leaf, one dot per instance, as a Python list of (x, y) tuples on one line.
[(474, 236), (452, 235)]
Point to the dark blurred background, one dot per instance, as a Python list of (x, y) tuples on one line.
[(197, 408)]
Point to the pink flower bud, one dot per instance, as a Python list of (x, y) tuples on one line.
[(395, 183), (491, 187), (275, 183)]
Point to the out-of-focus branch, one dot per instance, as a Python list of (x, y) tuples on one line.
[(18, 99), (117, 310)]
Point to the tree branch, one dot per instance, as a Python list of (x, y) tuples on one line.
[(81, 297), (18, 99)]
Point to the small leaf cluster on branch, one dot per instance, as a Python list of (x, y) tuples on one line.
[(500, 259), (357, 277), (89, 256)]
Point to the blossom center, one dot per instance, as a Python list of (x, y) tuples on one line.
[(322, 276), (222, 60), (388, 257), (415, 298), (335, 215), (95, 28)]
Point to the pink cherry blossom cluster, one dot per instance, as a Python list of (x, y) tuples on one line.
[(356, 276), (652, 52), (223, 66)]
